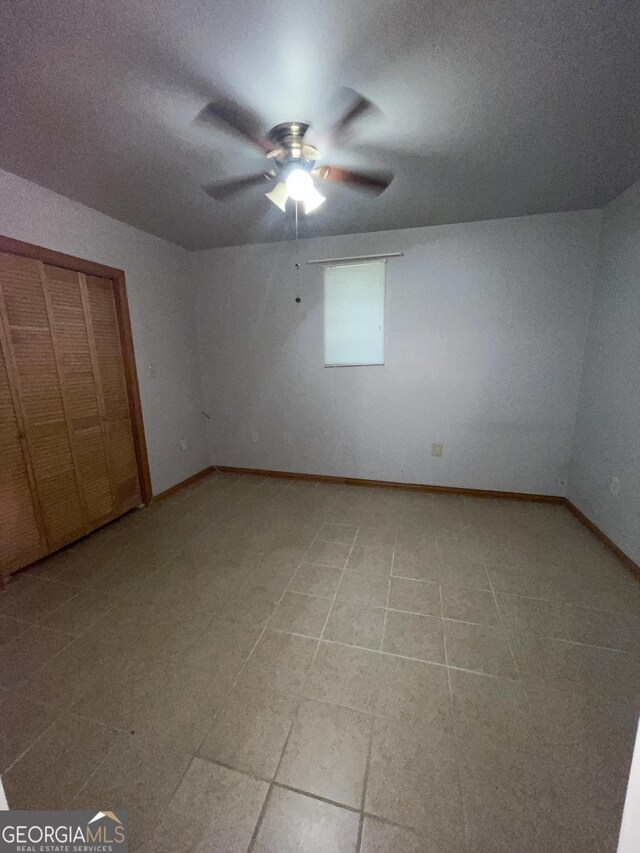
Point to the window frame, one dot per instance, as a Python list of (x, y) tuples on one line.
[(383, 262)]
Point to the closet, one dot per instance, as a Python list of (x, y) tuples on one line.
[(69, 448)]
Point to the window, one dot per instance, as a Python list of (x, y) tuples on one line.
[(354, 314)]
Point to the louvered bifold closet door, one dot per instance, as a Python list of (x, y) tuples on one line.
[(30, 349), (102, 318), (21, 535), (63, 291)]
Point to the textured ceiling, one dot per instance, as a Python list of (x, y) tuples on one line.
[(489, 109)]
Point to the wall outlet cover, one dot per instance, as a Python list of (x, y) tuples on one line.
[(183, 443), (615, 485), (436, 450)]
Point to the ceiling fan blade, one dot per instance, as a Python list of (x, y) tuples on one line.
[(357, 106), (224, 189), (236, 119), (374, 182)]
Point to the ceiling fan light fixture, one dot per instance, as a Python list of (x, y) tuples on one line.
[(290, 157), (312, 200), (279, 196), (299, 184)]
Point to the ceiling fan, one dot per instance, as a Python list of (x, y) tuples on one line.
[(293, 169)]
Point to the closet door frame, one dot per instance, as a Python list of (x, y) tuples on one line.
[(58, 259)]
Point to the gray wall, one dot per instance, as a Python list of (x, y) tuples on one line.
[(485, 334), (161, 306), (607, 435)]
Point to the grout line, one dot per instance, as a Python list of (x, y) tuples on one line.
[(265, 803), (30, 747), (386, 608), (333, 601), (94, 772), (409, 578), (456, 738), (404, 657), (586, 645), (444, 633), (365, 780), (347, 807), (46, 730), (274, 783), (256, 776), (504, 630), (365, 784), (324, 565), (305, 594), (300, 700), (360, 832), (322, 799)]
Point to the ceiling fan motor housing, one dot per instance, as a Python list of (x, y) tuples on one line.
[(289, 146)]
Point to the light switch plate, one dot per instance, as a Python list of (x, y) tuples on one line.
[(436, 450)]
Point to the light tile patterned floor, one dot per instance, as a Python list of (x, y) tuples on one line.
[(272, 665)]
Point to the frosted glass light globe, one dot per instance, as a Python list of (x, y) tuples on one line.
[(299, 184)]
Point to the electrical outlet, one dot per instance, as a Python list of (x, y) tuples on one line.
[(183, 443), (255, 437), (287, 438), (151, 369), (436, 450), (614, 486)]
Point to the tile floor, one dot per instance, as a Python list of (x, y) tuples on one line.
[(271, 665)]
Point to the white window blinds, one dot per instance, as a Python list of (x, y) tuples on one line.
[(354, 296)]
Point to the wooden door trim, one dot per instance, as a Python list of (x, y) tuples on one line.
[(133, 388), (117, 276)]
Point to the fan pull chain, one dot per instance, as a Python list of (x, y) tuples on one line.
[(297, 263)]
